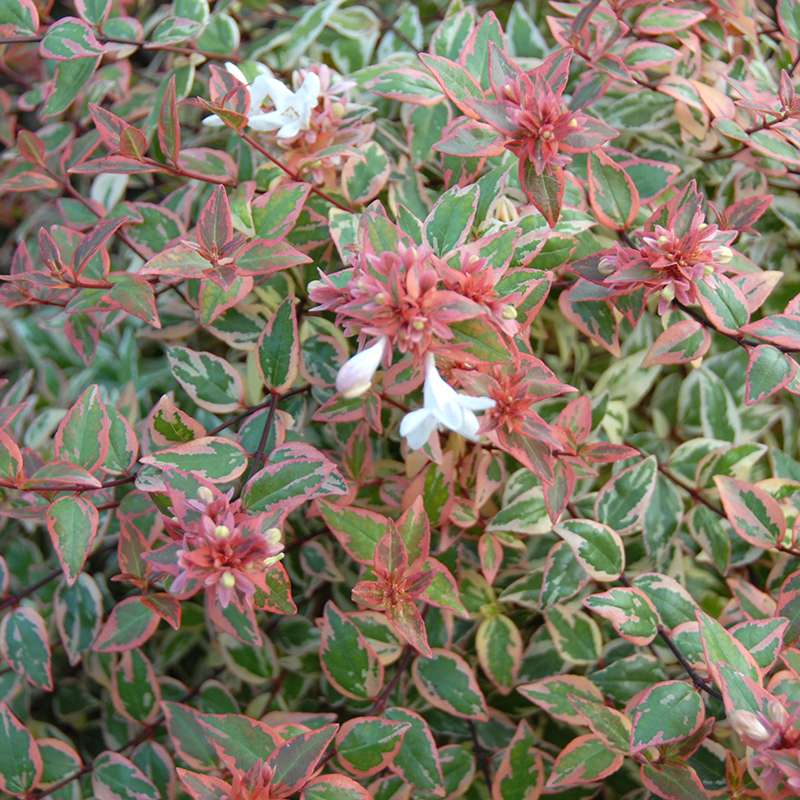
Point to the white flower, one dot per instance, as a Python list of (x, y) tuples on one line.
[(355, 376), (257, 90), (292, 112), (442, 406)]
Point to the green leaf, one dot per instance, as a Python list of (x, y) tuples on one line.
[(584, 760), (71, 77), (417, 761), (621, 503), (208, 379), (612, 193), (366, 745), (20, 760), (115, 776), (598, 548), (768, 371), (629, 611), (214, 458), (451, 218), (356, 529), (279, 349), (25, 646), (575, 635), (348, 662), (664, 713), (499, 646), (72, 522), (447, 682)]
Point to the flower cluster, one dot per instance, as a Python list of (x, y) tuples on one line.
[(218, 547), (677, 250)]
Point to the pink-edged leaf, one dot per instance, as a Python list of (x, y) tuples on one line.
[(295, 761), (349, 663), (72, 524), (721, 647), (288, 482), (20, 759), (407, 624), (203, 787), (459, 86), (93, 242), (169, 125), (630, 612), (82, 437), (129, 625), (58, 758), (781, 330), (498, 643), (276, 211), (447, 682), (665, 19), (754, 514), (469, 138), (681, 343), (597, 547), (334, 787), (521, 771), (584, 760), (168, 424), (555, 694), (545, 190), (69, 38), (215, 225), (762, 639), (21, 18), (418, 761), (214, 166), (135, 691), (621, 503), (279, 349), (214, 458), (356, 529), (768, 371), (136, 296), (673, 781), (367, 745), (588, 308), (208, 379), (115, 777), (612, 192), (723, 303), (25, 646), (663, 713), (11, 466), (181, 261)]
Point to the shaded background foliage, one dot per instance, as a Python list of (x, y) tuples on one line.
[(236, 562)]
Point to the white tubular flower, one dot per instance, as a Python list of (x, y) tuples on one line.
[(257, 90), (442, 406), (355, 376), (292, 112)]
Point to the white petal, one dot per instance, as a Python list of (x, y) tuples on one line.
[(213, 121), (290, 129), (236, 72), (475, 403), (469, 426), (259, 92), (310, 89), (280, 94), (441, 398), (270, 121), (355, 376), (417, 426)]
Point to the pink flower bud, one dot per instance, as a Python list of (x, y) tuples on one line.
[(749, 727)]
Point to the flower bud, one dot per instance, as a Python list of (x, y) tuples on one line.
[(418, 324), (205, 494), (573, 123), (668, 293), (337, 109), (663, 239), (355, 376), (708, 270), (268, 562), (503, 210), (547, 135), (777, 713), (222, 531), (749, 726), (723, 255), (228, 580), (606, 266), (273, 535), (508, 312), (702, 226)]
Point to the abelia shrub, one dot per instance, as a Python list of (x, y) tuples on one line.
[(399, 401)]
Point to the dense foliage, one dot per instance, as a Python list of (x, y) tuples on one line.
[(399, 400)]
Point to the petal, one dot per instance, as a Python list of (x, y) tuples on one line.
[(417, 426), (469, 426), (475, 403), (280, 94), (441, 398), (270, 121), (259, 91), (310, 89), (355, 375), (290, 129)]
